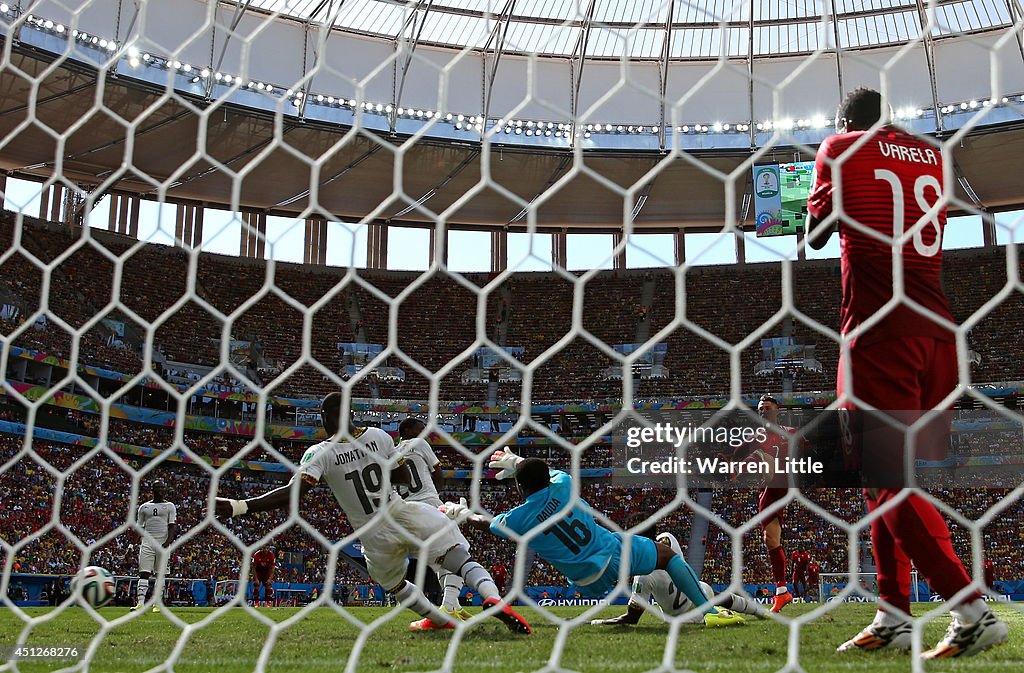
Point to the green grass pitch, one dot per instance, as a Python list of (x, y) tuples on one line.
[(322, 641)]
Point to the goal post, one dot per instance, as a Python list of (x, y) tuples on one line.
[(831, 585)]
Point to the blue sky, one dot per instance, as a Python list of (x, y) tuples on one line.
[(470, 250)]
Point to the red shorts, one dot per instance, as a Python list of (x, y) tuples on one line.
[(905, 378), (264, 574), (769, 496)]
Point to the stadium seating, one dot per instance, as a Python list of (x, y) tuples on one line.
[(437, 319), (436, 323), (97, 496)]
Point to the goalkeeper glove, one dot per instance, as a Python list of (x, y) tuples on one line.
[(456, 511), (506, 461)]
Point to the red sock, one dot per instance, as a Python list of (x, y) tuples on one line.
[(778, 559), (892, 564), (922, 534)]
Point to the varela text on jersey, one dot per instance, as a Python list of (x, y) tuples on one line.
[(917, 155)]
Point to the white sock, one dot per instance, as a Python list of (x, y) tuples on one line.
[(452, 584), (886, 619), (457, 560), (141, 590), (968, 613), (411, 597), (781, 590), (743, 606)]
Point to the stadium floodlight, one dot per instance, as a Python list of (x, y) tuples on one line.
[(973, 104), (4, 8), (717, 127)]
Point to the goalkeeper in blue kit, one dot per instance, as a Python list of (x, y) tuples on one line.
[(587, 553)]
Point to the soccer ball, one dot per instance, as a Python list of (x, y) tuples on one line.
[(95, 586)]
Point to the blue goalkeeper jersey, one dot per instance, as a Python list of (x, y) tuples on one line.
[(577, 546)]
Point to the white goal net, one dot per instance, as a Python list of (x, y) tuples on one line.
[(543, 226)]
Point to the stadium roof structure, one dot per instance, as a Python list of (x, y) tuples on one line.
[(303, 106), (645, 29)]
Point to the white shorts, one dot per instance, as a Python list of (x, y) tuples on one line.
[(149, 558), (387, 547)]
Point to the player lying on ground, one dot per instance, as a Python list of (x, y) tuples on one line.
[(667, 597), (585, 552), (264, 563), (158, 518), (889, 194), (426, 473), (354, 470)]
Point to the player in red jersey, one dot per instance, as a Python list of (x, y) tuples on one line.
[(989, 570), (499, 572), (263, 564), (888, 185), (800, 560), (813, 577), (774, 447)]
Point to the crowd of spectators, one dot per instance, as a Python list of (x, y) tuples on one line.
[(436, 324), (96, 500), (437, 318)]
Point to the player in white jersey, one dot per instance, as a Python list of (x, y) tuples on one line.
[(426, 473), (158, 521), (671, 601), (388, 527)]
